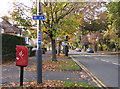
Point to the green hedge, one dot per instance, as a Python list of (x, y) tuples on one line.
[(9, 43)]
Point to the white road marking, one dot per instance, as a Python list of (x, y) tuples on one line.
[(106, 61), (109, 61), (103, 60), (115, 63), (97, 58)]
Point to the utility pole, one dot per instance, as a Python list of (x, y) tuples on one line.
[(81, 39), (66, 46), (39, 50), (58, 51), (81, 35)]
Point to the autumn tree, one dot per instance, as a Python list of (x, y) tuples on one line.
[(6, 18), (19, 17), (57, 23), (85, 42), (56, 17), (113, 31), (95, 39), (93, 16)]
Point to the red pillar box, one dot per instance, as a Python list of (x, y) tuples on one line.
[(21, 55)]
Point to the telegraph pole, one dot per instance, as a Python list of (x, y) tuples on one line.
[(81, 39), (81, 36), (39, 50)]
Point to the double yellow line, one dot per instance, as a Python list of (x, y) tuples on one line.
[(94, 78)]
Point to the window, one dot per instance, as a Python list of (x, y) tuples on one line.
[(2, 30)]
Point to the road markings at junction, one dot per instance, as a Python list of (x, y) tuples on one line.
[(94, 55), (103, 60), (116, 64), (94, 78), (97, 58), (100, 59)]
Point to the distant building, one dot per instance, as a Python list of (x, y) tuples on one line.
[(7, 27)]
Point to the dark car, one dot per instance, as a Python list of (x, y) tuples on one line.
[(89, 50), (43, 50)]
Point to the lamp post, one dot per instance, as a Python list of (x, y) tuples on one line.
[(58, 39), (58, 46), (39, 50), (66, 46), (81, 35), (58, 49)]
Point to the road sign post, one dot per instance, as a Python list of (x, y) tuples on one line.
[(39, 17), (39, 50)]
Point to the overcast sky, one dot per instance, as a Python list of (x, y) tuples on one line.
[(6, 5)]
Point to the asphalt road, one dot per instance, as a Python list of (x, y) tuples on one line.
[(104, 67)]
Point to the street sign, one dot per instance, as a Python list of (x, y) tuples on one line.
[(39, 38), (58, 39), (39, 17), (39, 42), (64, 43)]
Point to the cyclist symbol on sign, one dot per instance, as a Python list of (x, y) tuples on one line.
[(38, 36)]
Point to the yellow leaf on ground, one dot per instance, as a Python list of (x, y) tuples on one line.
[(73, 78), (5, 85), (68, 78)]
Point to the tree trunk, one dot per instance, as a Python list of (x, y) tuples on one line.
[(66, 50), (95, 47), (101, 47), (53, 50), (86, 46)]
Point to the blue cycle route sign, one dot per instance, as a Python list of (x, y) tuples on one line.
[(39, 38), (39, 17)]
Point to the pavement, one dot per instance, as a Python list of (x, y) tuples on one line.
[(11, 72)]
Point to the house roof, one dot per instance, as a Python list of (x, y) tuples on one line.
[(8, 27)]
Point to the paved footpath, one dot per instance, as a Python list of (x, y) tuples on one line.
[(11, 73)]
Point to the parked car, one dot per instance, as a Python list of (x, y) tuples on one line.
[(43, 50), (89, 50), (34, 49), (78, 49)]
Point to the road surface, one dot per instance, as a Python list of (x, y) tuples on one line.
[(104, 67)]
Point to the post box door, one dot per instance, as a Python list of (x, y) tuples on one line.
[(21, 55)]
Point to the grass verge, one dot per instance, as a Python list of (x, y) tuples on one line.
[(63, 65), (60, 65)]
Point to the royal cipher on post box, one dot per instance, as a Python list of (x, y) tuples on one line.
[(21, 55)]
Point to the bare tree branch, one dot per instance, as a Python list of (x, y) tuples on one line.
[(69, 11)]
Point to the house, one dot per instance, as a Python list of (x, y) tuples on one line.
[(7, 27)]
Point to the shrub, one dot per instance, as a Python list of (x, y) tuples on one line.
[(9, 43), (105, 47)]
